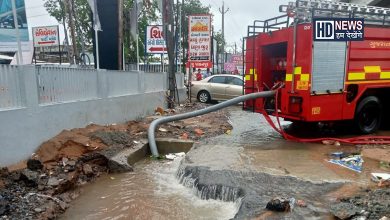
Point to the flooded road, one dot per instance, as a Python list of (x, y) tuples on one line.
[(150, 192), (245, 167), (254, 146)]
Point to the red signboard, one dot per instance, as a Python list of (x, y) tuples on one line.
[(155, 43), (200, 65)]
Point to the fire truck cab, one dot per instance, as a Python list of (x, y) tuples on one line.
[(320, 81)]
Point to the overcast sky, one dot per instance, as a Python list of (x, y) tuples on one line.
[(241, 13)]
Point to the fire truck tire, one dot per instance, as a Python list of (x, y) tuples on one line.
[(368, 115), (204, 96)]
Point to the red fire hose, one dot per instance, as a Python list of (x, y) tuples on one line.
[(367, 139)]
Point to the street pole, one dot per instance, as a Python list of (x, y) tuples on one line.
[(19, 57), (63, 9), (223, 12), (59, 43), (72, 30), (168, 24), (120, 35), (137, 45), (177, 35), (97, 49), (182, 35)]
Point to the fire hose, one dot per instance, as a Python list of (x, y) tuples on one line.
[(366, 139), (277, 126), (234, 101)]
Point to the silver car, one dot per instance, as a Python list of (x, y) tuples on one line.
[(217, 87)]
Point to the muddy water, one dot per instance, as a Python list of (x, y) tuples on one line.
[(254, 146), (151, 192)]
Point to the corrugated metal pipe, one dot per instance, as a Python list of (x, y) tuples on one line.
[(234, 101)]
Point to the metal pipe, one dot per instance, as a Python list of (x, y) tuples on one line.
[(234, 101)]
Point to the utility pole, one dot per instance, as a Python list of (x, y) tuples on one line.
[(168, 24), (223, 12), (70, 7), (183, 15), (64, 10), (120, 35)]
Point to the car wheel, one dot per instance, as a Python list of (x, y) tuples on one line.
[(368, 115), (204, 96)]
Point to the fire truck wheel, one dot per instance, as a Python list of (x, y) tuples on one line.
[(204, 96), (368, 115)]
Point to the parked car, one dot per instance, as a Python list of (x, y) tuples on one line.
[(217, 87)]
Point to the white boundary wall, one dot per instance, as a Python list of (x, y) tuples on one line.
[(36, 103)]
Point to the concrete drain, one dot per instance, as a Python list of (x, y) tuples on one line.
[(165, 146)]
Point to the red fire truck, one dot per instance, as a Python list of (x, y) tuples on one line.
[(321, 81)]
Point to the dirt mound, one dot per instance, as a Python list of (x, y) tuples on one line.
[(42, 187), (371, 204)]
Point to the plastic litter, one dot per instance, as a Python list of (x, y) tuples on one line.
[(175, 155), (377, 177), (352, 162), (163, 130), (338, 155)]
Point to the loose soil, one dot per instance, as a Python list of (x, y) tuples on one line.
[(43, 186)]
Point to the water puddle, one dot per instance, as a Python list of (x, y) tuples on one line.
[(252, 157), (151, 192)]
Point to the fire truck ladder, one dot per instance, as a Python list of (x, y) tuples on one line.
[(306, 10), (258, 27)]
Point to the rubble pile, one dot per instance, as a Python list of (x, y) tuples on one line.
[(372, 204), (43, 186)]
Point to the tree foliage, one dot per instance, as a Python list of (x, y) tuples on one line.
[(81, 10), (149, 14), (220, 41)]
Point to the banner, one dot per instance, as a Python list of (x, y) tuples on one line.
[(134, 21), (96, 20), (199, 37), (7, 25), (45, 36), (200, 65)]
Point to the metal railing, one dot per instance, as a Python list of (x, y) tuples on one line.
[(10, 88), (150, 68), (56, 85)]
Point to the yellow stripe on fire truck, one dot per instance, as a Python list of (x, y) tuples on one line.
[(370, 73), (251, 72), (304, 77)]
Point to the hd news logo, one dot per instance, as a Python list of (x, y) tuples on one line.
[(338, 29)]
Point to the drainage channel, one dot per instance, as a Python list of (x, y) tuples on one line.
[(153, 191)]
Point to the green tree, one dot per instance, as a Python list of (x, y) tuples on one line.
[(81, 11), (220, 41), (83, 22), (148, 14)]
